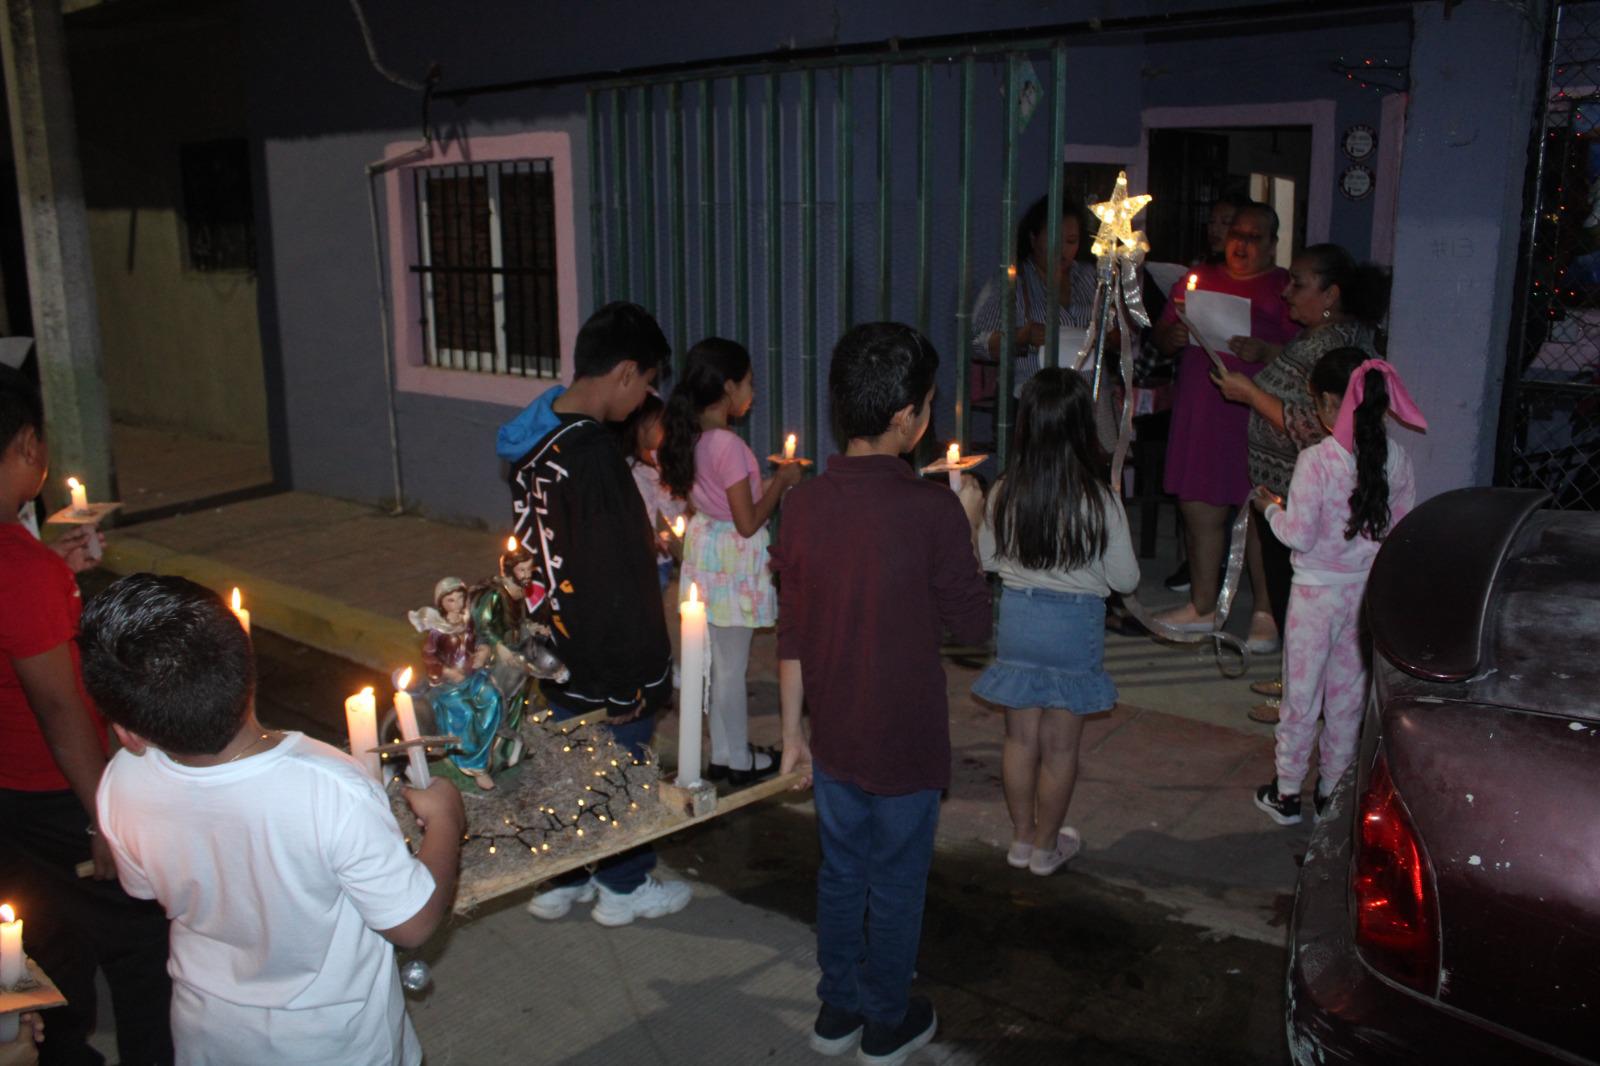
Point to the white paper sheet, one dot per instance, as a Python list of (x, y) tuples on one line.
[(1166, 275), (1219, 316), (1069, 345)]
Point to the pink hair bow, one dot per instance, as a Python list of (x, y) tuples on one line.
[(1401, 405)]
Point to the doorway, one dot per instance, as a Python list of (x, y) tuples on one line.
[(1190, 169)]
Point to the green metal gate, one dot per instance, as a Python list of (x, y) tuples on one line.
[(731, 201)]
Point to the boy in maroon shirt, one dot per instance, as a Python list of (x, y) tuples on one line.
[(874, 563), (52, 753)]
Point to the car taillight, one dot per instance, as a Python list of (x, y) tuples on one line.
[(1397, 911)]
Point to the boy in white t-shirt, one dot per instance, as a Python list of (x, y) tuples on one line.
[(284, 873)]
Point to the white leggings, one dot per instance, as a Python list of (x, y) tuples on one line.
[(729, 713)]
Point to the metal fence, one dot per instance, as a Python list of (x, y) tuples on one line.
[(1550, 421), (780, 203)]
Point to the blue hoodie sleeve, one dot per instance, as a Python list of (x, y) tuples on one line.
[(518, 436)]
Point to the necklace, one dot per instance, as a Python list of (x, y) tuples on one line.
[(254, 744)]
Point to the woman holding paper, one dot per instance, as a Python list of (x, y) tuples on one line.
[(1338, 303), (1074, 297), (1207, 448)]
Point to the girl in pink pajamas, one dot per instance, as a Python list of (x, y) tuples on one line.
[(1347, 492)]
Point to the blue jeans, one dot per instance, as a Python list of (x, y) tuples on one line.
[(876, 851), (627, 871)]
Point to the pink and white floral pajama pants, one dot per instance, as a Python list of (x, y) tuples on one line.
[(1323, 675)]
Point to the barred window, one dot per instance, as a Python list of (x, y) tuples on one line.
[(487, 270)]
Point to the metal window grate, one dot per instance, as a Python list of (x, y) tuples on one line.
[(1550, 422), (487, 267)]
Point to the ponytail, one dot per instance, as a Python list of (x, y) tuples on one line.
[(1369, 503), (1369, 443), (708, 369)]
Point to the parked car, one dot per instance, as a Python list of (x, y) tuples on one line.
[(1449, 906)]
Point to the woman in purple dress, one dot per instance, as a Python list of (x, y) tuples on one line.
[(1206, 451)]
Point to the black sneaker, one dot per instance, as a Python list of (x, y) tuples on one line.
[(1178, 580), (890, 1045), (836, 1031), (1285, 810)]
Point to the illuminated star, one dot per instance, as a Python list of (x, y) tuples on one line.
[(1116, 220)]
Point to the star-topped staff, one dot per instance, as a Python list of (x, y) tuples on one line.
[(1120, 250)]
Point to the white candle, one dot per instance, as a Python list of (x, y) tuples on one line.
[(80, 495), (952, 456), (13, 963), (407, 716), (691, 685), (240, 612), (788, 446), (361, 719)]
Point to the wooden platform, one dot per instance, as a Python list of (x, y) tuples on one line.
[(474, 892)]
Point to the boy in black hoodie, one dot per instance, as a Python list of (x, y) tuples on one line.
[(577, 511)]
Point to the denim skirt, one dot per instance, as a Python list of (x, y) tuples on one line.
[(1049, 652)]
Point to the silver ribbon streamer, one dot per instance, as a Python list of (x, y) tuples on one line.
[(1118, 293)]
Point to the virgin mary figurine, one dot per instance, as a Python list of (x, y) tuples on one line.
[(465, 700)]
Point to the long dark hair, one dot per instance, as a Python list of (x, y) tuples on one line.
[(709, 368), (630, 433), (1363, 287), (1031, 227), (1369, 503), (1050, 506)]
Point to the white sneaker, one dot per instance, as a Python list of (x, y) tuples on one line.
[(558, 901), (650, 900)]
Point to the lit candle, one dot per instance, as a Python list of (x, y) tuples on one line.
[(691, 685), (80, 495), (1193, 283), (511, 545), (406, 713), (361, 720), (678, 527), (240, 612), (952, 456), (788, 446), (13, 963)]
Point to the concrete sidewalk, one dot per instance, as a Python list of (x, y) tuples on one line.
[(1164, 797)]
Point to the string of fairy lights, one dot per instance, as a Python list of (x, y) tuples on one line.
[(616, 788)]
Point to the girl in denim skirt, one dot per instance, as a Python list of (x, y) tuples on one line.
[(1058, 537)]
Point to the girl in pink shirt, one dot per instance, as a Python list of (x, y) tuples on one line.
[(1347, 492), (725, 546)]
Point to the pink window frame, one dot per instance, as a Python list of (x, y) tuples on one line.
[(412, 374)]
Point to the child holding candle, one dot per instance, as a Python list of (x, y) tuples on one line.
[(52, 753), (640, 436), (577, 512), (287, 879), (1348, 491), (1058, 537), (725, 548), (875, 565)]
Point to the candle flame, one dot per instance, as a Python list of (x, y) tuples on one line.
[(953, 455), (237, 602), (694, 592), (1011, 271), (789, 443), (511, 544), (677, 526), (73, 483), (6, 913), (405, 678), (1194, 280)]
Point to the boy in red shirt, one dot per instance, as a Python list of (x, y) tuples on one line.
[(52, 752), (874, 563)]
